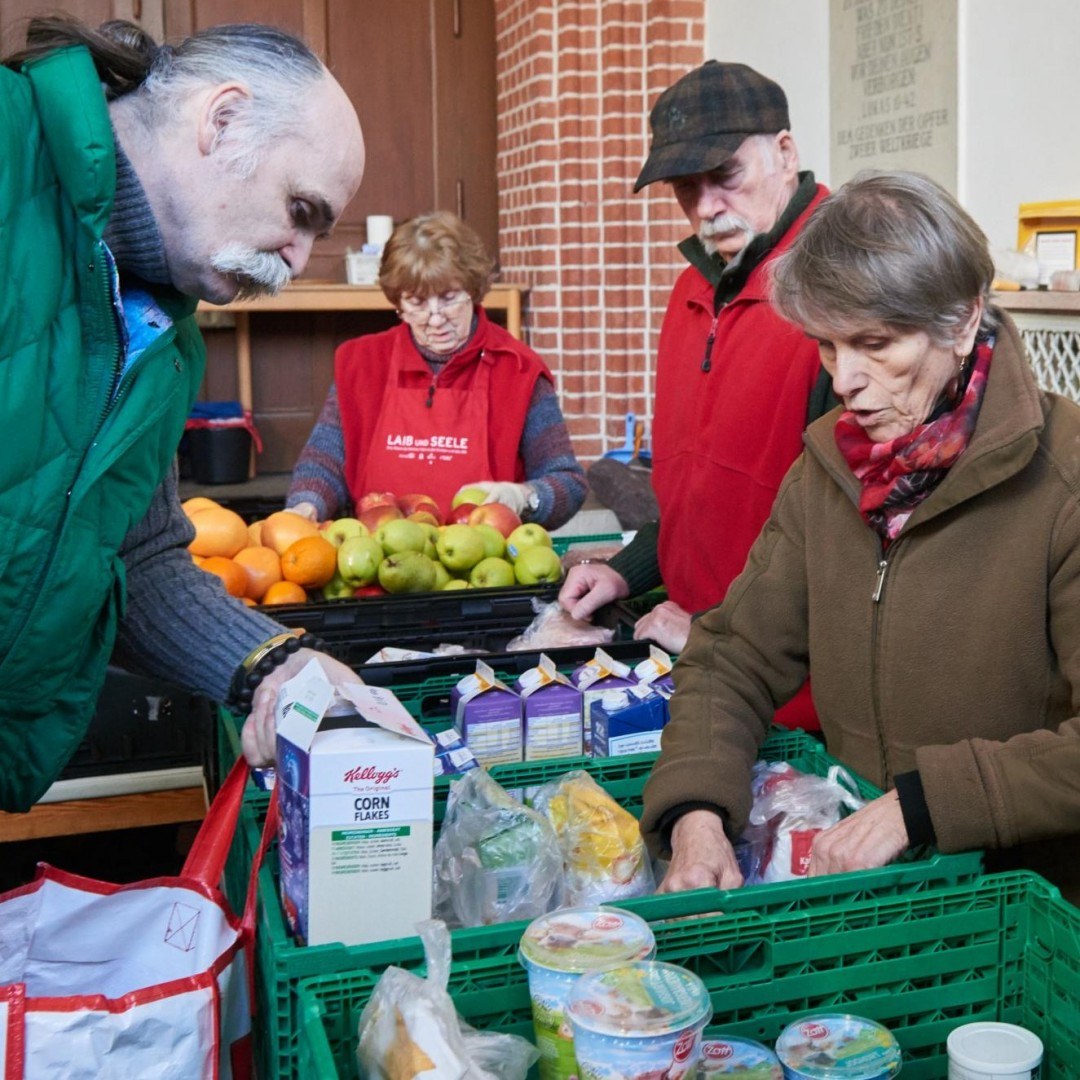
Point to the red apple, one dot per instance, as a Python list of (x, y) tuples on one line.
[(370, 590), (410, 504), (460, 514), (374, 517), (375, 498), (497, 515)]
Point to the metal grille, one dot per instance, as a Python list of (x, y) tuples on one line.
[(1053, 343)]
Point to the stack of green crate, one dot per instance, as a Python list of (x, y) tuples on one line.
[(1005, 947), (281, 964)]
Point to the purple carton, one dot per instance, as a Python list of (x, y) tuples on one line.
[(551, 708), (655, 671), (595, 676), (627, 721), (487, 716)]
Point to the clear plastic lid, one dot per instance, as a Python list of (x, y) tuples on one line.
[(645, 999), (586, 939), (838, 1046), (729, 1055)]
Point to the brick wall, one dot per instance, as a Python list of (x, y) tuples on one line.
[(575, 84)]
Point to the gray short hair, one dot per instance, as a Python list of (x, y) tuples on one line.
[(276, 67), (888, 247)]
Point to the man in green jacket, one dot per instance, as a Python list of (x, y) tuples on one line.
[(137, 180)]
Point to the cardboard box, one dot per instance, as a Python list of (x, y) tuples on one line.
[(595, 676), (356, 788), (627, 722), (551, 712), (655, 671), (487, 715)]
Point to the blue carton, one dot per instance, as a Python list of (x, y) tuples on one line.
[(627, 722), (592, 678)]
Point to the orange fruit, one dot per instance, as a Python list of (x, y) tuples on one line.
[(199, 502), (263, 568), (218, 532), (310, 561), (255, 532), (247, 601), (283, 528), (285, 592), (232, 574)]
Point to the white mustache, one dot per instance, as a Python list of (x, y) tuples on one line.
[(721, 225), (260, 273)]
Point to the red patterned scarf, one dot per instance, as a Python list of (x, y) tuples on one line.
[(897, 475)]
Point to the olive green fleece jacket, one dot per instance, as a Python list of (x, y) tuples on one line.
[(957, 654)]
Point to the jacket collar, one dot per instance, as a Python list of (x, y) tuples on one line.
[(76, 127), (1005, 439), (476, 350)]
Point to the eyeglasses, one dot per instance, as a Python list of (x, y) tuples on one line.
[(421, 311)]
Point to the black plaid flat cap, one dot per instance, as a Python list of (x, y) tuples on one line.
[(700, 121)]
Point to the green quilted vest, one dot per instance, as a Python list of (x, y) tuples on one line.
[(81, 456)]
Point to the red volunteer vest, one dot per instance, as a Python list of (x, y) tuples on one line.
[(409, 431)]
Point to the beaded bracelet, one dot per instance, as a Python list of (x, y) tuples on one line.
[(261, 661)]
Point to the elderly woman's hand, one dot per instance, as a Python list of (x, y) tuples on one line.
[(701, 855), (871, 837), (667, 624)]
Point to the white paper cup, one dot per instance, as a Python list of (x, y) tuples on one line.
[(990, 1051), (379, 228)]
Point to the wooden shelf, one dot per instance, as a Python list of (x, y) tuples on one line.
[(1040, 301)]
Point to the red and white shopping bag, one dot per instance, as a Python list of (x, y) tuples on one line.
[(143, 980)]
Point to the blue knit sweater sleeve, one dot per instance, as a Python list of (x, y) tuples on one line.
[(319, 476), (548, 456)]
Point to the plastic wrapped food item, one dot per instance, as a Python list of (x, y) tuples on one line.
[(410, 1028), (639, 1022), (603, 854), (555, 951), (790, 808), (495, 859), (587, 553), (838, 1046), (554, 628)]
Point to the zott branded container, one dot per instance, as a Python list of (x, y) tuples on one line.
[(838, 1046), (731, 1055), (641, 1020), (556, 949)]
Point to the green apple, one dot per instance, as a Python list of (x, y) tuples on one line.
[(536, 564), (401, 535), (337, 532), (455, 583), (358, 560), (468, 495), (407, 572), (491, 573), (442, 576), (526, 536), (337, 588), (460, 548), (494, 541)]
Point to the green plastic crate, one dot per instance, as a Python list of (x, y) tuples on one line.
[(1006, 948), (562, 544), (281, 963)]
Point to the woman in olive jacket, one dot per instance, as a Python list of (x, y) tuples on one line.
[(923, 556)]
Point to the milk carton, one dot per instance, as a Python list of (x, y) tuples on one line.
[(595, 676), (551, 708), (487, 715), (655, 671), (356, 790), (627, 721)]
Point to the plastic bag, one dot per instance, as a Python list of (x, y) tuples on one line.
[(495, 859), (603, 854), (410, 1028), (790, 808), (554, 628)]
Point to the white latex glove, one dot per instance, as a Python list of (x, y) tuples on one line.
[(519, 497), (258, 738), (305, 510)]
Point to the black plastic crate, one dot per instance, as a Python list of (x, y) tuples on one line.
[(140, 724)]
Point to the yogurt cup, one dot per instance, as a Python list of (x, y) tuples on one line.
[(730, 1055), (556, 949), (991, 1051), (837, 1046), (639, 1022)]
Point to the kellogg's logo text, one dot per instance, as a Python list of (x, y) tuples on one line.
[(371, 774)]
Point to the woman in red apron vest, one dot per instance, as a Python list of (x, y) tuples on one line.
[(446, 400)]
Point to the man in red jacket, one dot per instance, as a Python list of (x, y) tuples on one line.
[(735, 384)]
